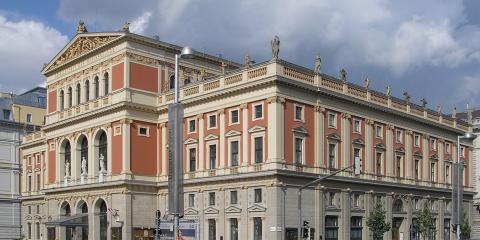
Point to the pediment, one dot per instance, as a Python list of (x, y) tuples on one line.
[(233, 133), (191, 141), (380, 146), (257, 208), (211, 137), (233, 209), (333, 136), (211, 210), (28, 217), (190, 211), (80, 45), (256, 128), (434, 156), (417, 153), (300, 130), (400, 150), (358, 141)]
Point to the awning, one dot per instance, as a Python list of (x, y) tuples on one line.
[(77, 220)]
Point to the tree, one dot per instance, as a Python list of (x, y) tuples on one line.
[(465, 228), (376, 222), (426, 222)]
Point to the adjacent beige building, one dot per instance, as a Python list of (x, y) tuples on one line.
[(253, 135)]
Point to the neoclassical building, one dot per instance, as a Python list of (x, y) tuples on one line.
[(253, 134)]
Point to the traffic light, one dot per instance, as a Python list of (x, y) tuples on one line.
[(306, 230), (357, 166)]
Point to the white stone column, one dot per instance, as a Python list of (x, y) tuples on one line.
[(126, 146), (92, 167), (222, 151), (126, 72), (109, 149), (275, 129), (319, 136), (245, 157), (389, 151), (201, 142), (369, 146), (164, 152)]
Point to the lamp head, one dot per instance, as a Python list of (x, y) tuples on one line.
[(469, 136), (187, 52)]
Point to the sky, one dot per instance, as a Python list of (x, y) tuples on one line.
[(430, 48)]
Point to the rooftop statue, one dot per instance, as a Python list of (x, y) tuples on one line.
[(318, 64), (388, 90), (275, 47), (81, 28), (126, 27), (424, 102), (407, 97), (367, 83), (248, 61), (454, 111), (343, 74)]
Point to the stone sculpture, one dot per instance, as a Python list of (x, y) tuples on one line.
[(275, 47)]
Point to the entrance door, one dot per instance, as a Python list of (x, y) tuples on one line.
[(396, 224)]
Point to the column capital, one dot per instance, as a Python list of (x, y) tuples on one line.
[(243, 106), (221, 111), (346, 115), (126, 121), (275, 99)]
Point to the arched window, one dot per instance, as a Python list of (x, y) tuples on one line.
[(62, 100), (187, 81), (84, 150), (87, 91), (68, 153), (172, 82), (103, 221), (102, 148), (69, 95), (84, 208), (65, 210), (79, 94), (105, 84), (96, 86)]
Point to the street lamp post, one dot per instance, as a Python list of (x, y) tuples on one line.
[(175, 141), (458, 190)]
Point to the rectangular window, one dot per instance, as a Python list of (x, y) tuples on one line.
[(433, 144), (416, 203), (212, 155), (37, 183), (257, 195), (332, 120), (399, 166), (192, 126), (29, 209), (356, 153), (379, 164), (233, 229), (38, 209), (398, 135), (258, 142), (143, 131), (356, 200), (462, 151), (192, 152), (212, 121), (416, 140), (191, 200), (417, 169), (379, 131), (257, 228), (299, 113), (298, 150), (447, 147), (29, 230), (432, 172), (331, 228), (356, 126), (212, 229), (447, 174), (37, 231), (211, 199), (331, 199), (233, 116), (233, 197), (6, 114), (356, 228), (446, 229), (258, 111), (331, 155), (29, 187), (234, 153), (29, 117)]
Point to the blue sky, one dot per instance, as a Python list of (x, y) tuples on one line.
[(430, 48)]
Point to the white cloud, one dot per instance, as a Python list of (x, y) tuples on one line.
[(139, 25), (24, 46)]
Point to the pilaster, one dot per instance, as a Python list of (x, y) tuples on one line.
[(222, 149), (346, 142), (389, 151), (245, 157), (126, 146), (201, 142), (319, 133), (368, 146), (408, 154), (275, 129)]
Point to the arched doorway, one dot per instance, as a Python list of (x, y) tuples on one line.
[(397, 220), (101, 223), (82, 231), (65, 211)]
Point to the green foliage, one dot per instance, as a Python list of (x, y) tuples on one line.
[(465, 228), (425, 222), (376, 222)]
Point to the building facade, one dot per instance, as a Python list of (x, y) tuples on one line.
[(252, 133), (12, 129)]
